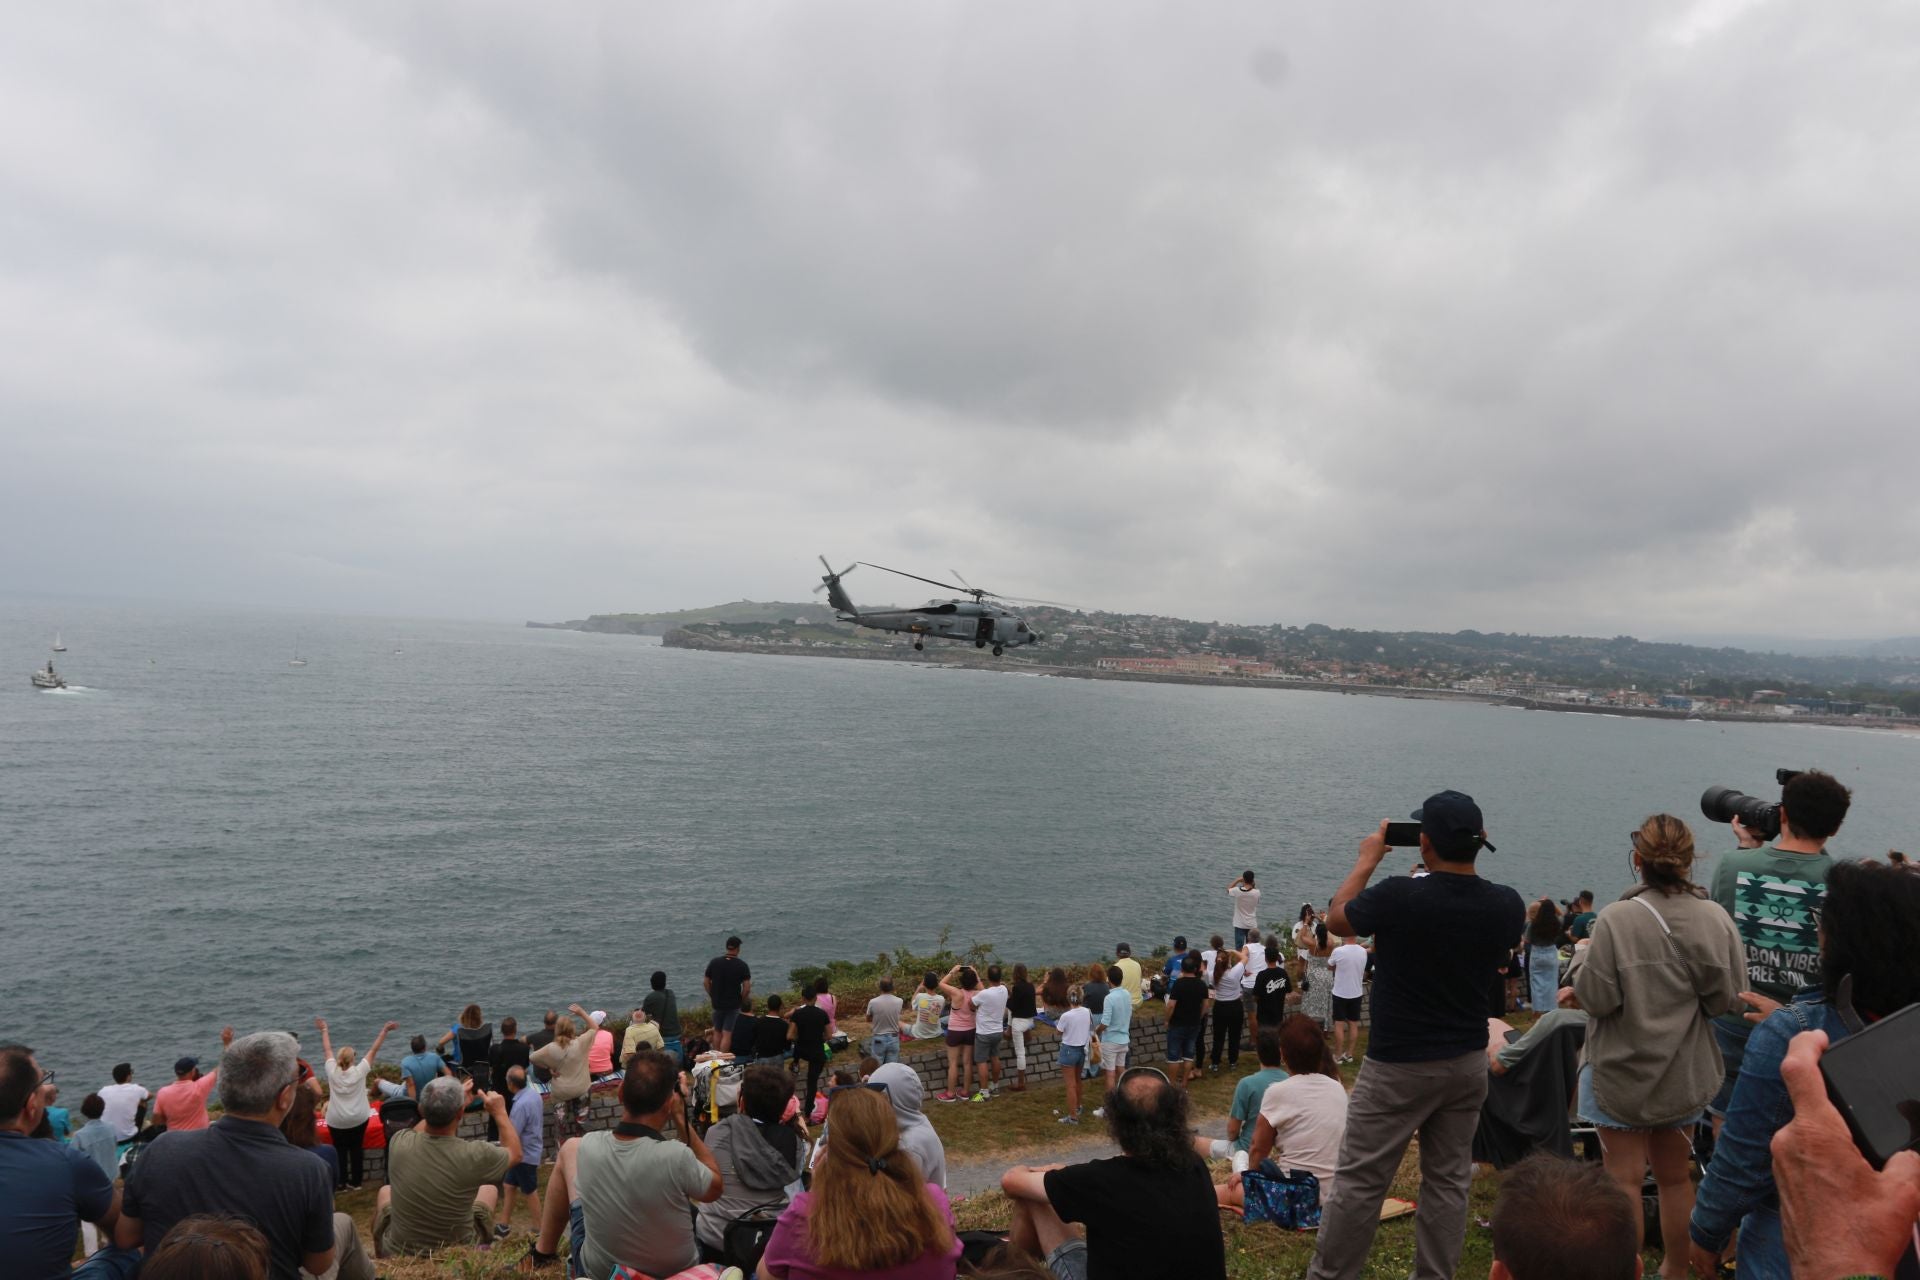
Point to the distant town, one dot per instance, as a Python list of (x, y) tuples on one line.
[(1573, 672)]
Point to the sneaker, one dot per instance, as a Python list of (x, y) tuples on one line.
[(978, 1097), (1099, 1113), (501, 1231), (1069, 1119), (946, 1097)]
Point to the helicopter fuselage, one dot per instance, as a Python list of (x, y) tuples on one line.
[(964, 620)]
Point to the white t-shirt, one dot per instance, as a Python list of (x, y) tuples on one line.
[(1349, 965), (122, 1101), (1309, 1117), (1255, 961), (1076, 1027), (347, 1103), (1246, 906), (990, 1011), (1228, 987)]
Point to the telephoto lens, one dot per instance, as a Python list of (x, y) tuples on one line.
[(1724, 804)]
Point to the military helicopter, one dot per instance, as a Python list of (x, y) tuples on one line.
[(984, 619)]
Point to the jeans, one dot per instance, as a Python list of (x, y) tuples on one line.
[(1240, 937), (1391, 1102), (1543, 978), (390, 1090), (350, 1144), (885, 1049), (109, 1264)]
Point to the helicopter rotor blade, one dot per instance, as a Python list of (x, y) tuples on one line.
[(1051, 604), (916, 577), (833, 577)]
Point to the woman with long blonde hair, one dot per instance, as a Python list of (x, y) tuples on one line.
[(348, 1110), (565, 1056), (870, 1213)]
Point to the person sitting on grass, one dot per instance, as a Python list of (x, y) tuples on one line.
[(642, 1033), (1148, 1212), (46, 1190), (1300, 1120), (1560, 1219), (871, 1211), (440, 1187), (769, 1042), (1243, 1116), (243, 1167), (627, 1194), (927, 1006), (917, 1134), (759, 1153)]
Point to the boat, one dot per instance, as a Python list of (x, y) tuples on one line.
[(58, 645), (48, 679), (296, 660)]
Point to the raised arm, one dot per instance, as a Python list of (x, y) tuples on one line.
[(326, 1041), (378, 1040), (1373, 850)]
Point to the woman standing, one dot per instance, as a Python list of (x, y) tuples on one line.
[(1664, 962), (871, 1211), (958, 987), (1543, 956), (1253, 962), (348, 1110), (1023, 1006), (565, 1058), (1318, 1002), (1228, 1006), (823, 997), (1076, 1033)]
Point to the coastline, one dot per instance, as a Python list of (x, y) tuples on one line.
[(967, 661)]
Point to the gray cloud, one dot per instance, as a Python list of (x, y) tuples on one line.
[(1590, 320)]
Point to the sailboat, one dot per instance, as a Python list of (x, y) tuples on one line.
[(59, 645), (296, 660)]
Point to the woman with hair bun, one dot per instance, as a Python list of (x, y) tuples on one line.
[(1665, 961), (871, 1211)]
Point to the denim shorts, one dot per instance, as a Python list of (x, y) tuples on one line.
[(1590, 1110), (523, 1177), (1068, 1261), (1183, 1043), (1073, 1055)]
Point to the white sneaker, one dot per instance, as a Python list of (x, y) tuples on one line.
[(1099, 1113)]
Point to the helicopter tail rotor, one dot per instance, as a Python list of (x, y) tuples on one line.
[(836, 594)]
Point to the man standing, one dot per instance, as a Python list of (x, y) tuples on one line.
[(47, 1190), (508, 1052), (728, 982), (182, 1105), (1187, 1001), (124, 1101), (883, 1011), (1774, 896), (1349, 965), (525, 1114), (1129, 969), (1115, 1026), (1440, 939), (1147, 1214), (1246, 908), (989, 1027), (1271, 987), (439, 1188), (540, 1040), (661, 1006), (244, 1167), (634, 1189)]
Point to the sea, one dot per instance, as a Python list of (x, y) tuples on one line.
[(197, 833)]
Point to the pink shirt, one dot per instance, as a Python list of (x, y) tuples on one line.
[(600, 1057), (960, 1016), (182, 1105), (787, 1250), (826, 1001)]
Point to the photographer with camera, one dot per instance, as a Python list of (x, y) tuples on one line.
[(1439, 940), (1774, 894)]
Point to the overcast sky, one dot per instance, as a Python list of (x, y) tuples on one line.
[(1549, 317)]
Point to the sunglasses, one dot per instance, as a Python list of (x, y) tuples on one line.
[(46, 1078), (874, 1085), (1132, 1073)]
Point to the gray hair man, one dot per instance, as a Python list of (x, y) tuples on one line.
[(440, 1187), (242, 1166)]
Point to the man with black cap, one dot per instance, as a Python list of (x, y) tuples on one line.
[(1438, 941)]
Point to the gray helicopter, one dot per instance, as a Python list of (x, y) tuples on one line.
[(984, 619)]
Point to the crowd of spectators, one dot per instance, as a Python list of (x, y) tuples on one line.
[(1699, 1007)]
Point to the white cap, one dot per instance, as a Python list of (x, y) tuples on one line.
[(597, 1017)]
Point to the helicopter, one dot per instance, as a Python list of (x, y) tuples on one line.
[(984, 619)]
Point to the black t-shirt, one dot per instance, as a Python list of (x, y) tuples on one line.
[(810, 1023), (505, 1056), (1440, 939), (1021, 1000), (1144, 1222), (769, 1036), (540, 1040), (1270, 990), (728, 974), (665, 1010), (1094, 996), (1188, 1000)]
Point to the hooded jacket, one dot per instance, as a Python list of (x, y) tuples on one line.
[(1650, 1044), (755, 1173), (917, 1136)]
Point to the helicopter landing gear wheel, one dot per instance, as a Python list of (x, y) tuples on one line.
[(979, 644), (997, 651), (919, 644)]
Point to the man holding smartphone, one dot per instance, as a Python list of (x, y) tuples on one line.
[(1438, 941)]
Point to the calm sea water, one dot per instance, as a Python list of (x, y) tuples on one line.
[(199, 833)]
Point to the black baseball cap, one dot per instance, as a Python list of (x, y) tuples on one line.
[(1452, 823)]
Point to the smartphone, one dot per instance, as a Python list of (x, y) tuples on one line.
[(1403, 835), (1871, 1080)]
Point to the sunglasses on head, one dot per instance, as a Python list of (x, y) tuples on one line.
[(874, 1085), (1132, 1073)]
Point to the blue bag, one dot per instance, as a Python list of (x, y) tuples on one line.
[(1287, 1198)]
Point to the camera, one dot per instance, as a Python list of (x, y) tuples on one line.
[(1724, 804)]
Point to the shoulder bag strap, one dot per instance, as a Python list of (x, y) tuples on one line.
[(1673, 944)]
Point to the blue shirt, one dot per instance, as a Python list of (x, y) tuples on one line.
[(96, 1142), (1116, 1017), (528, 1118), (421, 1068), (62, 1122), (1246, 1102), (45, 1190)]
